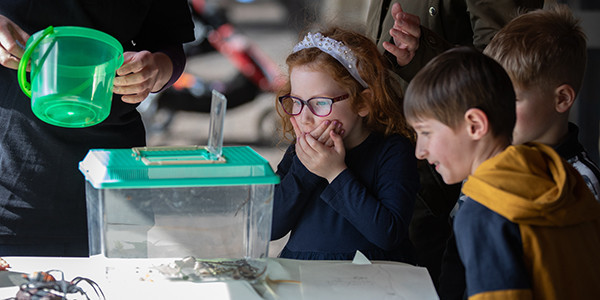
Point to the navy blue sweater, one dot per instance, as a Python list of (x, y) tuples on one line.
[(368, 207)]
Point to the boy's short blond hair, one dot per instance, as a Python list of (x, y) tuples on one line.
[(458, 80), (543, 48)]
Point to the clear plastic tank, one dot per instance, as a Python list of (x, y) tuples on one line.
[(175, 207)]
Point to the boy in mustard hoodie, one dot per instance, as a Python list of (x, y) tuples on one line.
[(530, 227), (544, 53)]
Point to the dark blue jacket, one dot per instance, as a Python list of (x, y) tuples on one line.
[(367, 207)]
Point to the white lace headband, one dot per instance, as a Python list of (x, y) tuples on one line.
[(336, 49)]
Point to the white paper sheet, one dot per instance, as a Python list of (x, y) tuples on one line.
[(376, 281), (360, 259)]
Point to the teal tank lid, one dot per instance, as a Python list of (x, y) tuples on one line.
[(179, 166)]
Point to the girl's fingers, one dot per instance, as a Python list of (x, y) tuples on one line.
[(320, 132), (338, 143), (335, 127), (311, 146), (313, 143), (324, 136)]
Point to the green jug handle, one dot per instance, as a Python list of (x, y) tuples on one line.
[(22, 70)]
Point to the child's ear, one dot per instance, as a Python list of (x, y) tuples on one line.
[(477, 123), (364, 108), (564, 98)]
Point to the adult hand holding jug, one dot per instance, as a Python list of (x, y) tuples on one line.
[(12, 39), (72, 74)]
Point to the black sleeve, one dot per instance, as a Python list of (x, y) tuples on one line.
[(168, 22)]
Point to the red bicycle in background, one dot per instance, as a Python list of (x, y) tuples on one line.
[(256, 73)]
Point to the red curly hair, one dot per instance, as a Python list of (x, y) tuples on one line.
[(386, 104)]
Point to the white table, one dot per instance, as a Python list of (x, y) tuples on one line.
[(286, 279)]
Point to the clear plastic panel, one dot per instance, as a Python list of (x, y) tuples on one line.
[(217, 121)]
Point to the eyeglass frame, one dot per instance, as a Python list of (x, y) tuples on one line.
[(305, 103)]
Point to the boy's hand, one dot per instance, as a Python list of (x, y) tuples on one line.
[(142, 73), (405, 33), (11, 36)]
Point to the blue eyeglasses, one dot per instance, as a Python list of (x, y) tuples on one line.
[(319, 106)]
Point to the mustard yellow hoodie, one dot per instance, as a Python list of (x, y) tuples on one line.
[(532, 224)]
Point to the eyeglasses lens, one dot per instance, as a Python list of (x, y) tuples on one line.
[(291, 105), (318, 106)]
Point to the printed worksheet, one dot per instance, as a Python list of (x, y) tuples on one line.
[(368, 281)]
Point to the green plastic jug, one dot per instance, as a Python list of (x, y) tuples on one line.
[(72, 74)]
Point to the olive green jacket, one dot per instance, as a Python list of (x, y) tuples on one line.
[(444, 24)]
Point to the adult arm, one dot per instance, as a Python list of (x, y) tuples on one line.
[(382, 214), (158, 59), (430, 45), (485, 18)]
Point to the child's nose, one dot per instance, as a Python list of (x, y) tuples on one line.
[(420, 151), (306, 115)]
